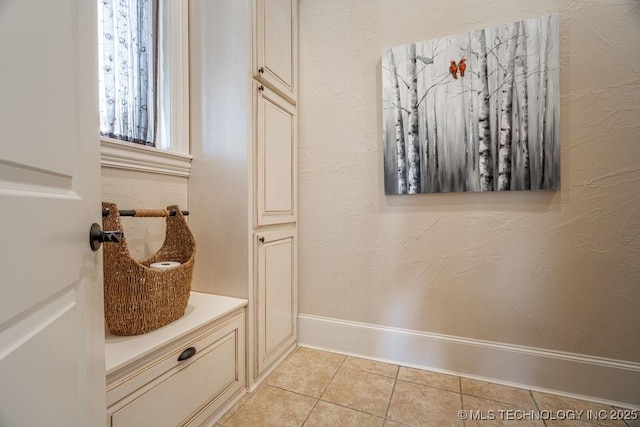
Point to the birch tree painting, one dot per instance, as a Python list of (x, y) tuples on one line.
[(473, 112)]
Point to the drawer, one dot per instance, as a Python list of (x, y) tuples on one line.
[(172, 402), (163, 362), (160, 391)]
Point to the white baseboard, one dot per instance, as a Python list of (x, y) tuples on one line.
[(597, 379)]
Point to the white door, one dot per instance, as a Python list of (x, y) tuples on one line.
[(51, 312)]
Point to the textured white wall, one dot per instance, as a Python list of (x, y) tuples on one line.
[(220, 109), (131, 190), (556, 270)]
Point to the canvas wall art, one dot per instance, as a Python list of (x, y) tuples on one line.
[(473, 112)]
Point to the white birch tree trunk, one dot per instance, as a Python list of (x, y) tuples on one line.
[(466, 137), (504, 146), (485, 158), (543, 127), (400, 143), (471, 180), (413, 147), (426, 168), (524, 115), (436, 159)]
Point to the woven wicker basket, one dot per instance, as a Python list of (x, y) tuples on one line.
[(138, 299)]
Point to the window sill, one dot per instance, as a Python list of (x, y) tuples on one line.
[(121, 155)]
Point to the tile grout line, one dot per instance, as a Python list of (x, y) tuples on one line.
[(332, 377), (292, 391), (252, 395), (515, 405), (371, 373), (535, 402), (322, 362), (464, 422), (318, 399), (627, 421), (323, 391), (353, 409), (344, 363), (393, 389), (309, 414), (436, 387)]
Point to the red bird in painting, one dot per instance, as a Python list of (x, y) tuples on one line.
[(462, 65), (453, 69)]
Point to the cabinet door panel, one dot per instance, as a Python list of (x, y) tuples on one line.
[(275, 47), (276, 294), (276, 158), (173, 400)]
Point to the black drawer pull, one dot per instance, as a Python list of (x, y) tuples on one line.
[(187, 354)]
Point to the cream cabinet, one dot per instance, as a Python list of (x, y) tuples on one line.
[(275, 45), (185, 373), (244, 175), (276, 155), (276, 294)]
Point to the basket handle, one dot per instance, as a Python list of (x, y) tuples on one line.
[(145, 213)]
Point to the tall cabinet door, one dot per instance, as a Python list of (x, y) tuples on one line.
[(275, 44), (276, 294), (276, 158)]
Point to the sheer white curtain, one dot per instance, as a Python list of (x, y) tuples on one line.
[(127, 69)]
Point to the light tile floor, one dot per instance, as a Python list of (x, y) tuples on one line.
[(318, 388)]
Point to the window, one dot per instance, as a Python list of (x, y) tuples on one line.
[(127, 55), (143, 75)]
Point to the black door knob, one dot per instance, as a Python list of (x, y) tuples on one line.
[(97, 236)]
